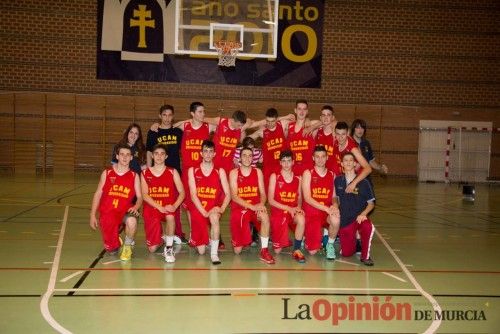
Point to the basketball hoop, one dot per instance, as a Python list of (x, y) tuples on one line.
[(227, 52)]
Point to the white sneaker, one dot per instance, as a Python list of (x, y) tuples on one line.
[(215, 259), (177, 240), (168, 253)]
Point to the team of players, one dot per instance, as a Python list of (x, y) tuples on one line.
[(308, 177)]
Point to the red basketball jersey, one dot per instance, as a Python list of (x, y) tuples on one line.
[(273, 143), (118, 192), (225, 140), (208, 188), (286, 192), (321, 188), (191, 144), (351, 143), (248, 188), (160, 188), (302, 148), (328, 141)]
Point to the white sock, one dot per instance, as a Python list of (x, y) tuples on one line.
[(264, 241), (214, 247), (128, 240), (170, 240), (330, 240)]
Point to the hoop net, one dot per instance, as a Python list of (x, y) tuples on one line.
[(227, 52)]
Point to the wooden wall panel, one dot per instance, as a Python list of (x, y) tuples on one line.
[(7, 136), (68, 132)]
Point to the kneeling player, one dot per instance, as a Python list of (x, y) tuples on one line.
[(286, 213), (160, 187), (318, 192), (354, 209), (114, 198), (209, 192), (248, 205)]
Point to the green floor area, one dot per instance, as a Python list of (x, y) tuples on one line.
[(436, 270)]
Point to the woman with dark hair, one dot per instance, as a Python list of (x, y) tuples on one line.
[(358, 132), (133, 138)]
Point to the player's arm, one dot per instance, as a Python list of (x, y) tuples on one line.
[(225, 188), (180, 124), (364, 214), (180, 190), (94, 222), (270, 195), (138, 194), (259, 133), (364, 173), (262, 188), (233, 186), (213, 122), (312, 127), (306, 192), (148, 199), (193, 193)]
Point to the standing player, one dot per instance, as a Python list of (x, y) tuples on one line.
[(117, 188), (248, 205), (171, 138), (320, 211), (229, 132), (133, 138), (273, 136), (163, 194), (286, 213), (324, 136), (354, 209), (358, 133), (301, 144), (346, 144), (209, 190)]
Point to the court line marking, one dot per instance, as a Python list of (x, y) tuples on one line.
[(44, 302), (435, 305), (67, 278), (347, 262), (235, 289), (394, 276), (114, 261)]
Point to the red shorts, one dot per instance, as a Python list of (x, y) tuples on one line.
[(281, 223), (240, 220), (110, 226), (153, 228), (315, 222), (199, 228)]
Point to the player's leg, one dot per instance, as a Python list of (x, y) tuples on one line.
[(312, 230), (130, 230), (153, 230), (298, 226), (109, 225), (347, 236), (366, 231), (169, 228), (279, 231), (333, 229), (240, 229), (199, 233), (214, 219), (263, 219)]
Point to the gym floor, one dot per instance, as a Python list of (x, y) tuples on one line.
[(436, 270)]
